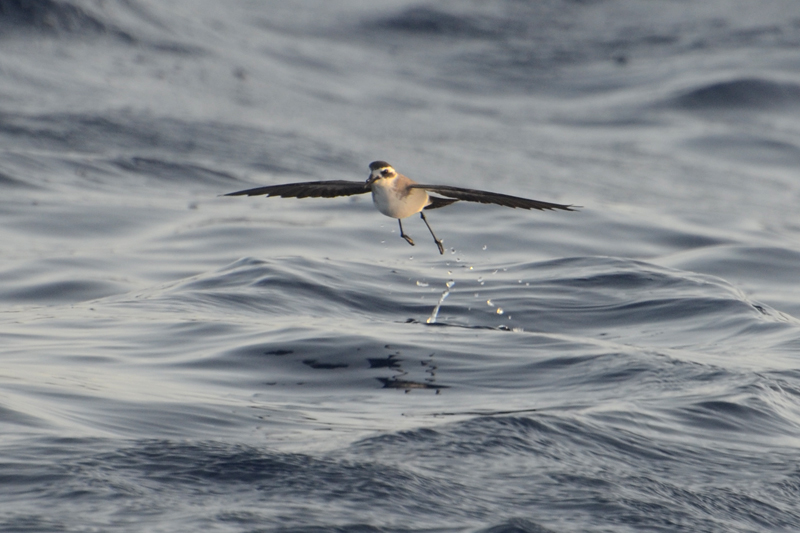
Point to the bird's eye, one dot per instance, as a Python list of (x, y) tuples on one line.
[(385, 172)]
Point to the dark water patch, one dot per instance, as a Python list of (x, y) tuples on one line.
[(407, 385), (54, 17), (740, 94), (317, 365), (390, 361), (517, 525), (82, 20), (279, 352), (433, 22)]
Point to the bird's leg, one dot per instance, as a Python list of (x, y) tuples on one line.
[(438, 241), (403, 235)]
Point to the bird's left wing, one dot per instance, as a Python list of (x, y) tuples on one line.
[(308, 189), (484, 197)]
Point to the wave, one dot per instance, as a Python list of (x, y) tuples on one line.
[(742, 93)]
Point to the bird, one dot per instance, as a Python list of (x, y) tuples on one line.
[(398, 196)]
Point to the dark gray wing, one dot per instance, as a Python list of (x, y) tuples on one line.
[(308, 189), (483, 197)]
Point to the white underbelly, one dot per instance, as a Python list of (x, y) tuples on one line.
[(392, 205)]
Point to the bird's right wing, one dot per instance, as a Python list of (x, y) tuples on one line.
[(308, 189)]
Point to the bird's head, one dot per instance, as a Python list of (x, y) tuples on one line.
[(380, 170)]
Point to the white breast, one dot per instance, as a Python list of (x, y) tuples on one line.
[(392, 197)]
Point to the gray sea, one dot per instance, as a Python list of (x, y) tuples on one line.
[(175, 360)]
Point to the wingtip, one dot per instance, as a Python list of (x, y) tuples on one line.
[(246, 192), (565, 207)]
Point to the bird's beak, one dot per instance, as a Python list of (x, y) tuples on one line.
[(371, 179)]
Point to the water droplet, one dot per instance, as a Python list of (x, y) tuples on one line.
[(450, 283), (421, 284), (484, 246), (489, 303), (499, 311)]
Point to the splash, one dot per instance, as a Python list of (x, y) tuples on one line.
[(435, 313)]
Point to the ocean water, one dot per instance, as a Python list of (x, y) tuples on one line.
[(174, 360)]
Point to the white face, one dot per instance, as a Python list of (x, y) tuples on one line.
[(383, 172)]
